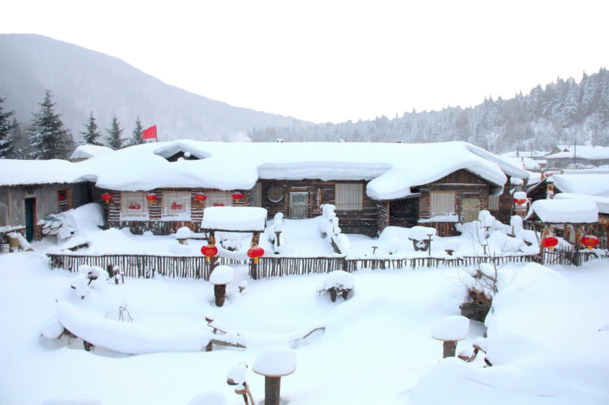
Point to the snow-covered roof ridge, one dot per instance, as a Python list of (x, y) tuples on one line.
[(562, 211), (88, 151), (392, 168)]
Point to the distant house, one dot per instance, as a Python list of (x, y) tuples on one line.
[(577, 156), (161, 187)]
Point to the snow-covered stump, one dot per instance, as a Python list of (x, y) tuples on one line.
[(450, 330), (336, 283), (182, 235), (220, 277), (274, 364)]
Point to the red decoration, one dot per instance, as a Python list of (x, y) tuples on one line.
[(237, 196), (107, 197), (149, 133), (549, 242), (590, 241), (200, 197), (520, 201), (255, 252), (209, 251), (151, 197)]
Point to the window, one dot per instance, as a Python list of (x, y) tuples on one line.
[(442, 203), (275, 194), (176, 205), (64, 200), (493, 203), (133, 204), (219, 199), (349, 196)]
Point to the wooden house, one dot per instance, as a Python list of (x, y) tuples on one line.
[(162, 187), (31, 190)]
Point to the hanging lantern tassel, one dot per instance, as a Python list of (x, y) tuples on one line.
[(209, 251), (107, 197), (549, 242), (590, 241), (255, 252), (151, 198)]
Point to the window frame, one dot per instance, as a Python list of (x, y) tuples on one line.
[(349, 196), (439, 203)]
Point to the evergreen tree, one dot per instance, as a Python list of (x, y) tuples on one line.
[(136, 135), (91, 134), (6, 126), (20, 142), (114, 134), (48, 138)]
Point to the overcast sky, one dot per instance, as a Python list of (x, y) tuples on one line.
[(335, 60)]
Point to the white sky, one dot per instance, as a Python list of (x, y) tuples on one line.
[(335, 60)]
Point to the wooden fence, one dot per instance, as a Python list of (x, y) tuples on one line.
[(142, 265), (275, 266)]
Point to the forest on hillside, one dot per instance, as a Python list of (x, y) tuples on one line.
[(564, 112)]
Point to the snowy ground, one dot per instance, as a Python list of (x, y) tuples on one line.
[(547, 338)]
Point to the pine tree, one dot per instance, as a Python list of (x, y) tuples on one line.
[(114, 134), (6, 126), (48, 138), (136, 135), (19, 140), (91, 134)]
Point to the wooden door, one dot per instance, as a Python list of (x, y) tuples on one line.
[(470, 207), (30, 218)]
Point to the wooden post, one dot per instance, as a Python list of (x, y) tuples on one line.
[(450, 347), (272, 389), (220, 294)]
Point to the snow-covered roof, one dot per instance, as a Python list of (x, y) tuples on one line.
[(392, 168), (602, 203), (88, 151), (589, 183), (20, 172), (582, 151), (234, 219), (582, 211)]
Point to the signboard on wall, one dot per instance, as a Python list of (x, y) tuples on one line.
[(176, 204), (133, 204)]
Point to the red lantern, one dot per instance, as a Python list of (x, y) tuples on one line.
[(255, 252), (200, 197), (107, 197), (209, 251), (520, 201), (549, 242), (590, 241), (151, 197), (237, 196)]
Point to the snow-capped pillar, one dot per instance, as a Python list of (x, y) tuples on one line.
[(220, 277), (450, 330), (274, 364)]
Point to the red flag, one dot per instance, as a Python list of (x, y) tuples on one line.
[(149, 133)]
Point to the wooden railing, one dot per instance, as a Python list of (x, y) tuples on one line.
[(276, 266), (141, 265)]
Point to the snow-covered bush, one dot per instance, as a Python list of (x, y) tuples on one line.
[(69, 223), (331, 231), (336, 283), (275, 235)]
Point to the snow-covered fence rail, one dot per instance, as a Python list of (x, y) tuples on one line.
[(570, 256), (276, 266), (424, 262), (287, 266), (134, 265)]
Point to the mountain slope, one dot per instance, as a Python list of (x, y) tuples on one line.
[(84, 81)]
